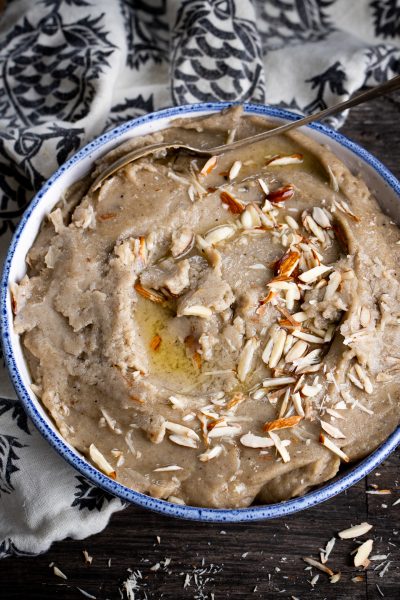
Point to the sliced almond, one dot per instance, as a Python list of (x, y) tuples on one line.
[(209, 165), (256, 441), (335, 279), (311, 390), (300, 317), (287, 264), (332, 447), (362, 554), (296, 351), (250, 217), (278, 284), (277, 349), (264, 186), (101, 462), (211, 453), (280, 446), (283, 423), (168, 468), (313, 274), (197, 310), (288, 343), (334, 413), (225, 431), (112, 423), (355, 380), (332, 431), (333, 179), (365, 380), (234, 170), (267, 350), (298, 404), (219, 234), (355, 531), (281, 194), (312, 226), (293, 224), (236, 399), (235, 206), (275, 382), (288, 317), (308, 363), (308, 337), (246, 358), (345, 208), (321, 217), (178, 178), (285, 159), (317, 565), (181, 440), (155, 342), (152, 295), (59, 573), (181, 430)]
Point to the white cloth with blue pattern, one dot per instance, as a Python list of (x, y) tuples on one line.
[(74, 68)]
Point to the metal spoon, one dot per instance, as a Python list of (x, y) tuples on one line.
[(385, 88)]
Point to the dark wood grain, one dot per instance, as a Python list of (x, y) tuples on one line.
[(255, 560)]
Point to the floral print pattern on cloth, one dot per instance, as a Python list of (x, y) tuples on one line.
[(72, 69)]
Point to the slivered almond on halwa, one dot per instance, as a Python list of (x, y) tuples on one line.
[(256, 441), (285, 159), (281, 194), (333, 448), (287, 264), (152, 295), (282, 423), (155, 342), (101, 462), (209, 165), (235, 206)]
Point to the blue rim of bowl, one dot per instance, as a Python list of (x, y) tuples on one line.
[(258, 512)]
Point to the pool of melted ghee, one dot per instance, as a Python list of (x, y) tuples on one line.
[(169, 363)]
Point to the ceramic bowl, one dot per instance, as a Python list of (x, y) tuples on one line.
[(386, 188)]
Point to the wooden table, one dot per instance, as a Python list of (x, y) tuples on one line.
[(257, 560)]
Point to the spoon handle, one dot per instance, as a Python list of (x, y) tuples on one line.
[(380, 90), (375, 92)]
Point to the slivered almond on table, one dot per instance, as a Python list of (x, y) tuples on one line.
[(355, 531), (362, 554)]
